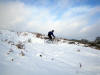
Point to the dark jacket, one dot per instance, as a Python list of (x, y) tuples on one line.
[(51, 34)]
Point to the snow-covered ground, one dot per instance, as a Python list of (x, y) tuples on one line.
[(25, 54)]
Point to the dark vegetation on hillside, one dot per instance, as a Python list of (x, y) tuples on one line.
[(94, 44)]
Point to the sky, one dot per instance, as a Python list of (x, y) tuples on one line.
[(72, 19)]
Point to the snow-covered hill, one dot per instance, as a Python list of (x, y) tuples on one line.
[(23, 53)]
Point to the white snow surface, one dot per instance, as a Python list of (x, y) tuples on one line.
[(42, 58)]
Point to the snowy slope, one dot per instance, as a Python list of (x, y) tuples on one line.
[(22, 53)]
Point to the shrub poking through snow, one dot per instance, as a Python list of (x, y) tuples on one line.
[(22, 53), (80, 65), (10, 42), (72, 42), (29, 40), (52, 58), (25, 34), (18, 33), (46, 37), (20, 46), (78, 50), (9, 51), (12, 59), (6, 40), (38, 35)]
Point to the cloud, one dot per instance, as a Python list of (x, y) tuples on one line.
[(74, 22), (12, 14), (16, 14), (76, 19), (91, 31)]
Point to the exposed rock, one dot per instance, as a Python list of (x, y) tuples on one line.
[(40, 55)]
